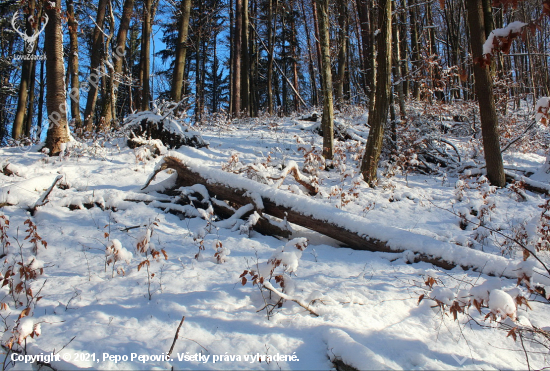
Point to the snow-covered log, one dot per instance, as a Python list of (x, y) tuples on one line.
[(172, 133), (353, 231)]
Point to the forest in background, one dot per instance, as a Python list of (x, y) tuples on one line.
[(249, 57)]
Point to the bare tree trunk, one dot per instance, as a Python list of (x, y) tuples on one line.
[(271, 47), (328, 108), (181, 50), (379, 114), (294, 43), (317, 42), (30, 110), (95, 63), (145, 59), (58, 131), (231, 57), (74, 65), (41, 99), (403, 44), (342, 50), (312, 79), (237, 54), (245, 71), (109, 110), (415, 47), (485, 96), (18, 128), (368, 58), (397, 74)]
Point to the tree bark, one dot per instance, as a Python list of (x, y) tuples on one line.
[(109, 109), (58, 131), (366, 44), (327, 123), (181, 50), (312, 79), (342, 50), (145, 59), (95, 63), (18, 128), (74, 65), (379, 115), (271, 47), (485, 96), (415, 47), (237, 55), (245, 71)]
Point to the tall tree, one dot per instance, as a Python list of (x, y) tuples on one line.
[(145, 59), (342, 50), (415, 45), (363, 9), (379, 114), (96, 59), (237, 55), (245, 70), (109, 108), (56, 96), (485, 95), (327, 123), (74, 64), (181, 50), (271, 51), (27, 68), (311, 66)]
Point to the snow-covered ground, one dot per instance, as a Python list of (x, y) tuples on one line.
[(368, 303)]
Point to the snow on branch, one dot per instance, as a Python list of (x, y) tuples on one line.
[(543, 105), (501, 39)]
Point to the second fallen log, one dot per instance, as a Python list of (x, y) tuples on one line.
[(352, 230)]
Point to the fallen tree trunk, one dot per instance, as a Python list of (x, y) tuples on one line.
[(352, 230)]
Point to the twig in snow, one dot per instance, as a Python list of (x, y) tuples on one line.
[(176, 337), (270, 287), (43, 200)]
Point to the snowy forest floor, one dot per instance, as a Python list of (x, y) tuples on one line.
[(369, 315)]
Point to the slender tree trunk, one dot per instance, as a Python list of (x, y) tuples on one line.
[(58, 131), (145, 59), (485, 96), (415, 47), (18, 128), (488, 17), (342, 50), (271, 47), (403, 44), (294, 43), (181, 50), (379, 114), (237, 55), (312, 79), (399, 83), (95, 63), (109, 110), (245, 71), (215, 80), (40, 118), (254, 48), (30, 110), (363, 12), (317, 42), (231, 56), (327, 123), (74, 65)]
